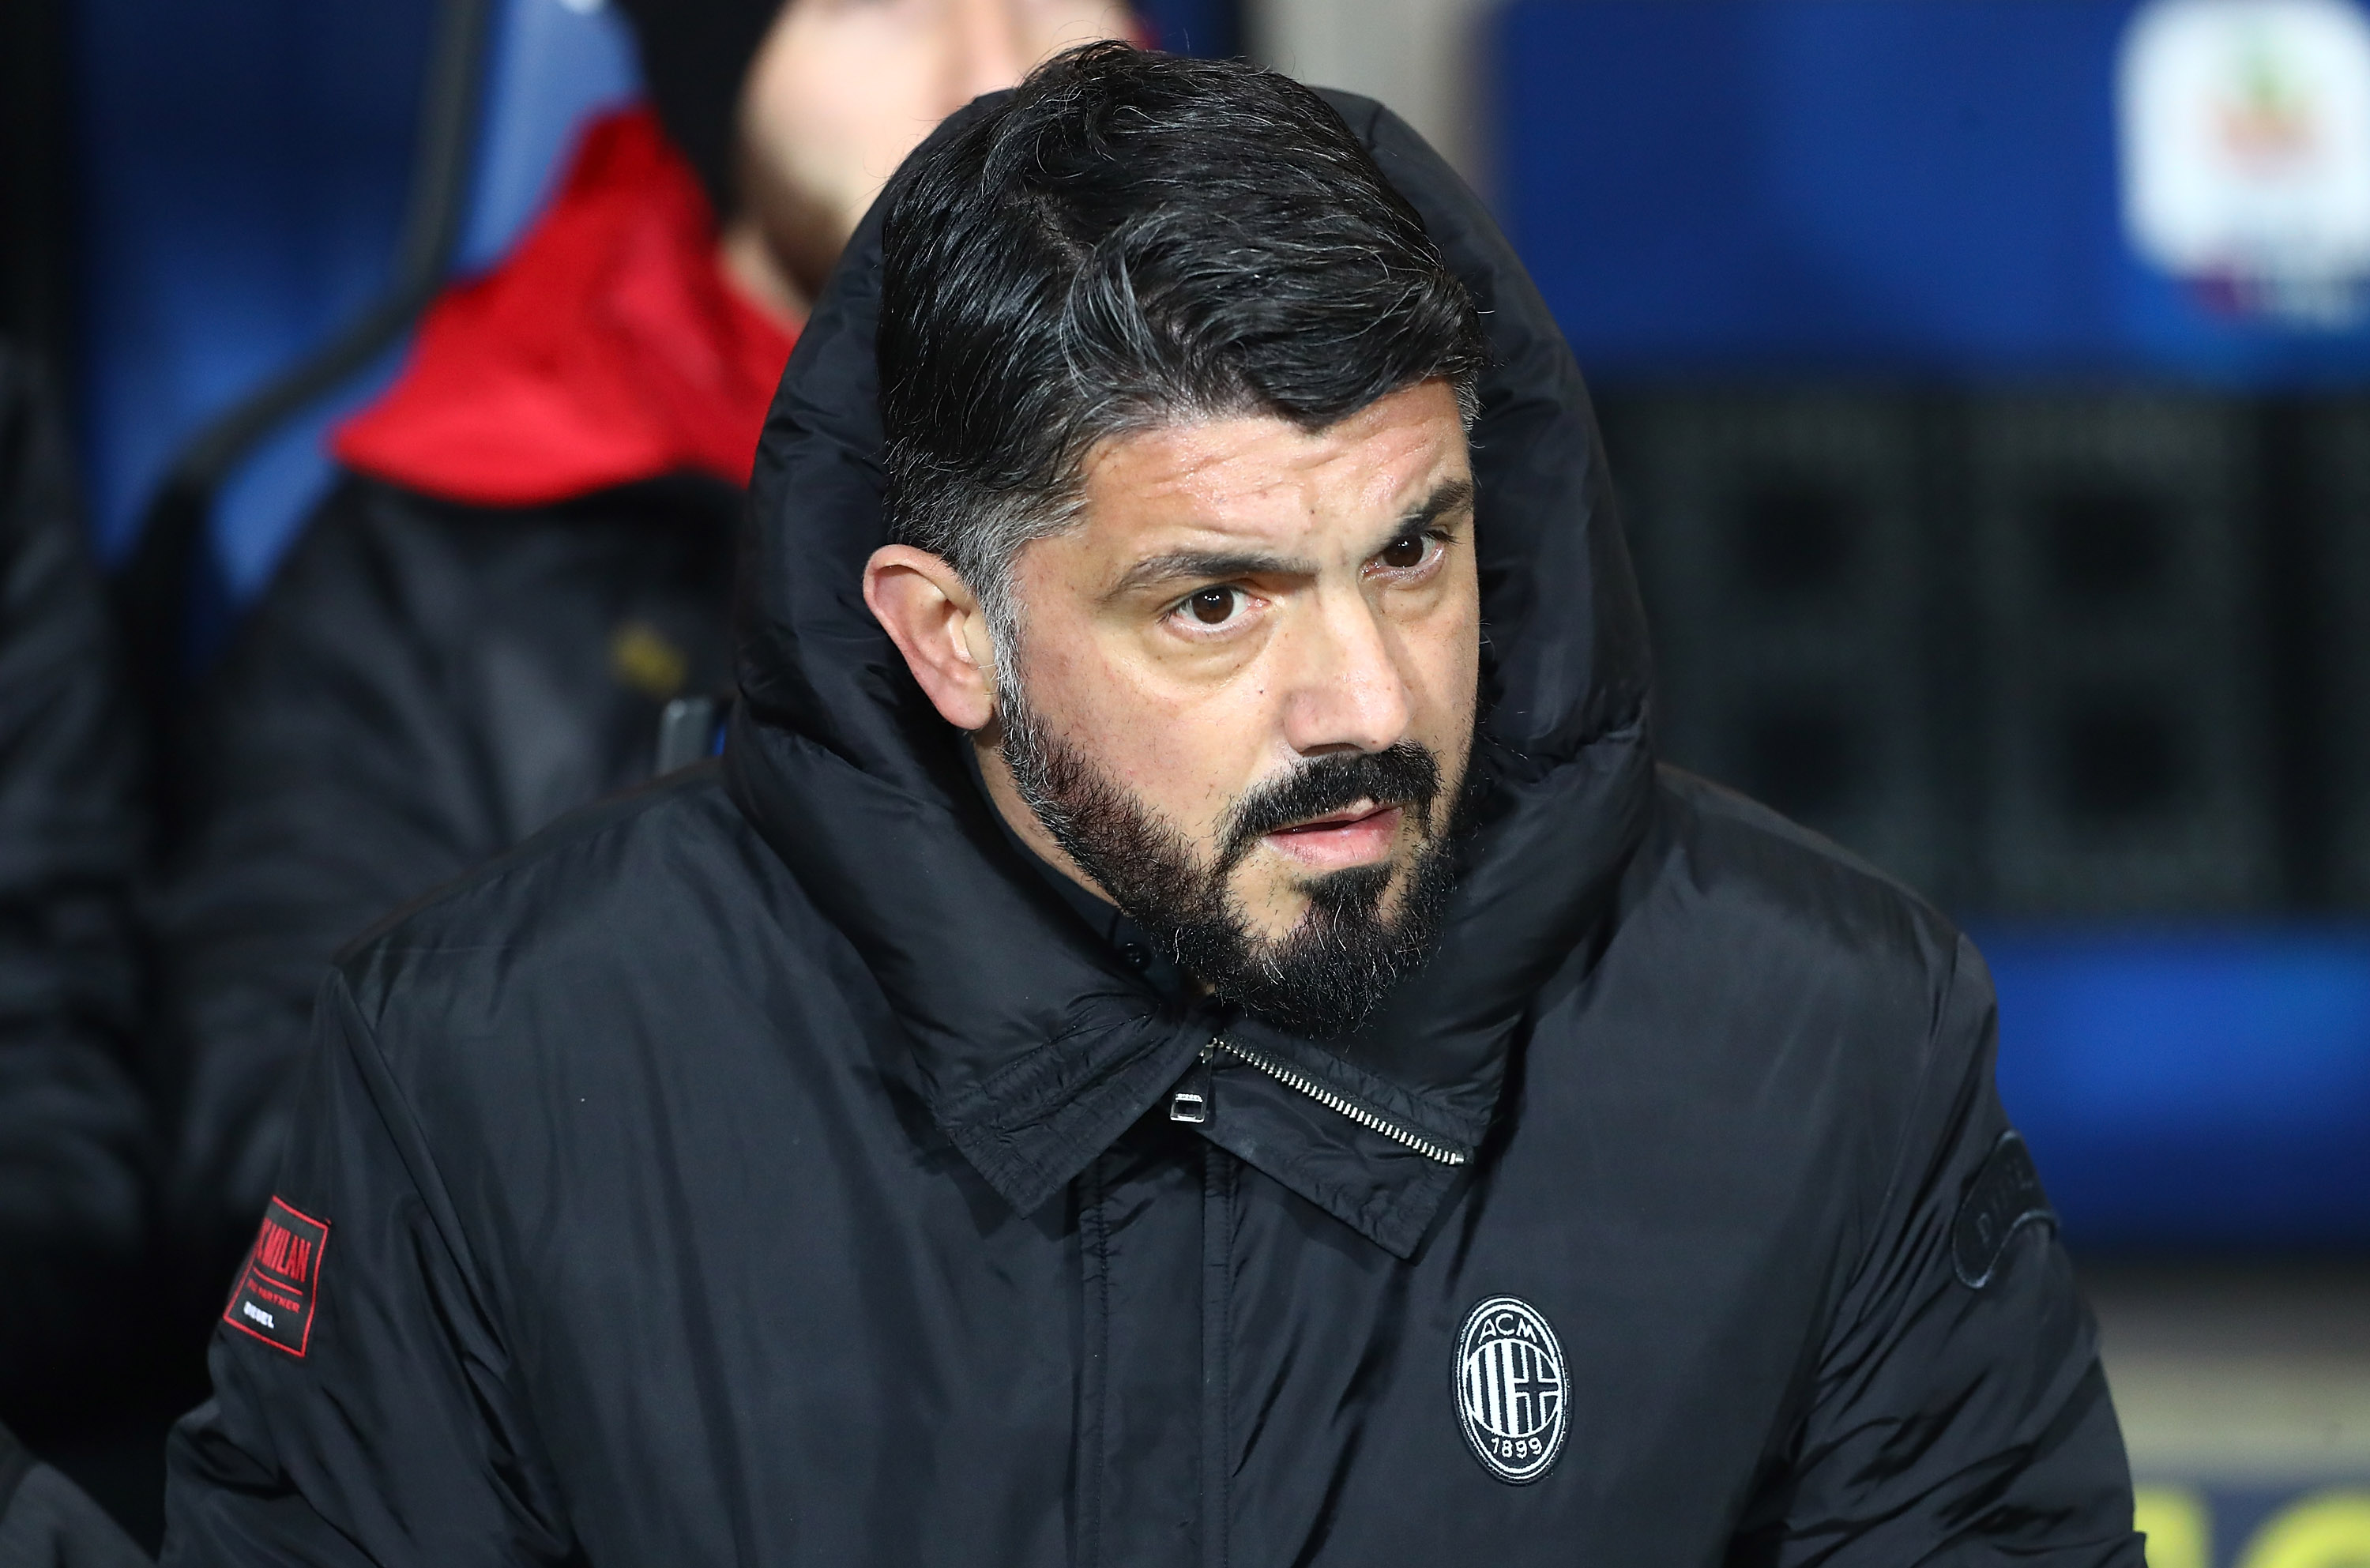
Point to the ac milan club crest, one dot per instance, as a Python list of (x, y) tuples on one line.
[(1510, 1388)]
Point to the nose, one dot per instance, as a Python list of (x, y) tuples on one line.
[(1349, 692), (989, 52)]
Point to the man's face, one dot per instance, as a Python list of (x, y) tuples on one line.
[(840, 90), (1243, 697)]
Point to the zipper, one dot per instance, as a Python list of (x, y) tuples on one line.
[(1291, 1076)]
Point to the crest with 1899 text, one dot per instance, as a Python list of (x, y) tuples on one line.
[(1511, 1389)]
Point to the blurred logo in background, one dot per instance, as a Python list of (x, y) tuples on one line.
[(2191, 1527), (2245, 133)]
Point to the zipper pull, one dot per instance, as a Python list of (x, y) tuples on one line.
[(1189, 1102)]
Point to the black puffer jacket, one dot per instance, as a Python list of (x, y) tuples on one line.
[(771, 1168), (74, 1134), (423, 684)]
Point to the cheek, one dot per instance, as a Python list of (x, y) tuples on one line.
[(1443, 658), (1188, 754), (1443, 629)]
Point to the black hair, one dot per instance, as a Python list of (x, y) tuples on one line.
[(1130, 238)]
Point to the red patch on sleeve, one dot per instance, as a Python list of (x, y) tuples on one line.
[(278, 1284)]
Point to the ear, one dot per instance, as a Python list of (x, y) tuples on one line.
[(934, 621)]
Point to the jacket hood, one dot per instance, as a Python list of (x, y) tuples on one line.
[(606, 349), (1034, 1046)]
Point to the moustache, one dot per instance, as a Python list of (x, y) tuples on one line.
[(1404, 775)]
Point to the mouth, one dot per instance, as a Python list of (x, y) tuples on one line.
[(1357, 836)]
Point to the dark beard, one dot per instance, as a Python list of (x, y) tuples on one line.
[(1328, 975)]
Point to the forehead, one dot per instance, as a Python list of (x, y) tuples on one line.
[(1260, 477)]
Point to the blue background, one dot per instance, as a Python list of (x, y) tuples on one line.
[(1859, 186)]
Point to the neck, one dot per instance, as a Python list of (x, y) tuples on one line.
[(753, 270)]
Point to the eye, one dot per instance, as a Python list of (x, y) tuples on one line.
[(1406, 552), (1213, 606)]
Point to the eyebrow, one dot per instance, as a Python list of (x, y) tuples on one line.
[(1214, 566)]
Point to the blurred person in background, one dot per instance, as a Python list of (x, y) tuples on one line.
[(530, 552), (74, 1134)]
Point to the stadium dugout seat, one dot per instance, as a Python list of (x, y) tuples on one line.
[(546, 67), (274, 190)]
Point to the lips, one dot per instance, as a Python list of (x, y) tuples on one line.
[(1358, 835), (1307, 809), (1362, 811)]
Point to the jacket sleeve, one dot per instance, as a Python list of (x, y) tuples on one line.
[(332, 777), (1960, 1415), (73, 1126), (391, 1433)]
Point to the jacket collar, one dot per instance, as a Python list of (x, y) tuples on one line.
[(1033, 1043)]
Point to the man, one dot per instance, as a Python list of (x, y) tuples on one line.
[(530, 554), (1110, 1070)]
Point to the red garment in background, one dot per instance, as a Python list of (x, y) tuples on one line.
[(607, 348)]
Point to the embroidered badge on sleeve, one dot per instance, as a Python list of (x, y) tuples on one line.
[(2003, 1197), (276, 1291)]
